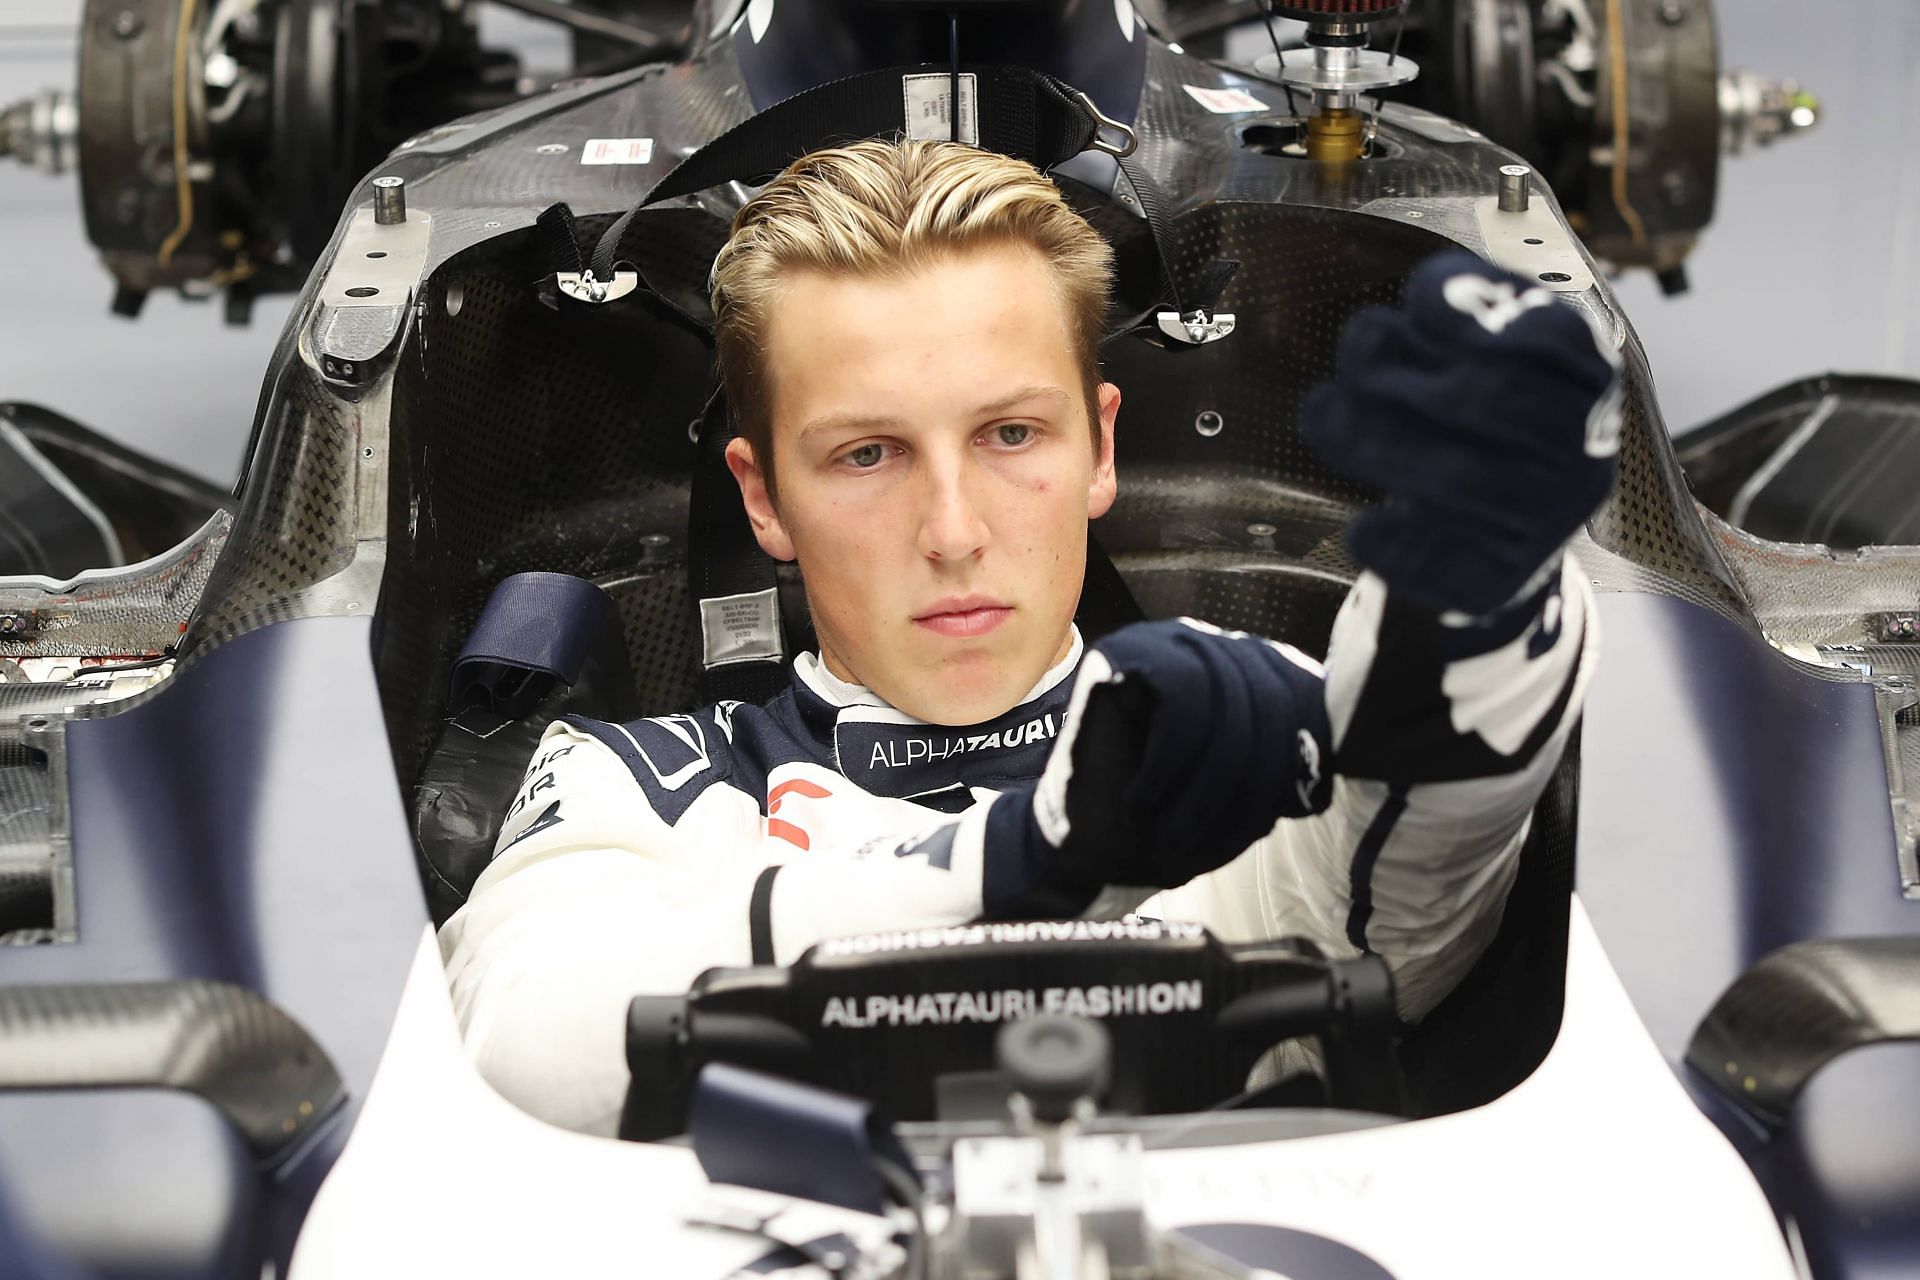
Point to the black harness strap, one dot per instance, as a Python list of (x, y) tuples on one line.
[(1199, 291), (560, 238), (1106, 604), (732, 582), (760, 917), (1021, 112)]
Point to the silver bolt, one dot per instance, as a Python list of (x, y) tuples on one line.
[(389, 201), (1261, 530), (1514, 191), (127, 24), (1673, 13), (551, 148), (1209, 423), (222, 71)]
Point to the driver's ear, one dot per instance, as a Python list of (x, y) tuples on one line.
[(1102, 484), (767, 529)]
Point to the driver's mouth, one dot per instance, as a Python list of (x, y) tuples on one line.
[(963, 617)]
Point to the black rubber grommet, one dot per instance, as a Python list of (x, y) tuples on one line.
[(1054, 1062)]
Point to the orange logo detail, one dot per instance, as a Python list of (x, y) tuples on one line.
[(780, 827)]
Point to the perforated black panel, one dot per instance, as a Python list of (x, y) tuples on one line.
[(661, 634), (529, 437), (296, 525), (1652, 520), (1304, 272), (1497, 1025)]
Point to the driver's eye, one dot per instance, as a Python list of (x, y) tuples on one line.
[(1014, 433), (867, 456)]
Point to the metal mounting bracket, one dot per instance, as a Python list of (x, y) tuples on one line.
[(1194, 328)]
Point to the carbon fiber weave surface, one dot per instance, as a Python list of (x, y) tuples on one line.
[(219, 1041), (294, 526), (1799, 1008), (26, 885)]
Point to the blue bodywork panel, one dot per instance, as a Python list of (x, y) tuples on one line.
[(241, 825), (1732, 803)]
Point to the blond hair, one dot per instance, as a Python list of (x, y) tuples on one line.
[(881, 208)]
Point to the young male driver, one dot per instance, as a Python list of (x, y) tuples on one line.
[(907, 333)]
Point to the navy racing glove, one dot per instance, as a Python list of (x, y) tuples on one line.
[(1487, 413), (1183, 745)]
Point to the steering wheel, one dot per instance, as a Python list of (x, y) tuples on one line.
[(908, 1020)]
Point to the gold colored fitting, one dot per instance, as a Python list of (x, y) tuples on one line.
[(1334, 137)]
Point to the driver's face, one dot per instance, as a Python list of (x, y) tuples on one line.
[(935, 474)]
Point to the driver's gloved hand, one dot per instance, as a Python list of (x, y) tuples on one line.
[(1487, 413), (1183, 745)]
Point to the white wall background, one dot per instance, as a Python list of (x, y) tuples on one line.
[(1813, 263)]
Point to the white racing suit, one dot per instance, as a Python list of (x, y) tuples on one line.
[(636, 856)]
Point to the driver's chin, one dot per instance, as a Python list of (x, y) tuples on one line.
[(963, 689), (946, 704)]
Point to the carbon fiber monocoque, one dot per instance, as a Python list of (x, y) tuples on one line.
[(504, 433), (510, 434)]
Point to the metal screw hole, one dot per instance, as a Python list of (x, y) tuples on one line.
[(1209, 423), (362, 291)]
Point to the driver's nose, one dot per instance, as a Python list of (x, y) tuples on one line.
[(953, 528)]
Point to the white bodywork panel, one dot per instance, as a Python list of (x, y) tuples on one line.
[(1598, 1165)]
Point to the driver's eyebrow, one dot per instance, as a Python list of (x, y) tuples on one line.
[(861, 422)]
